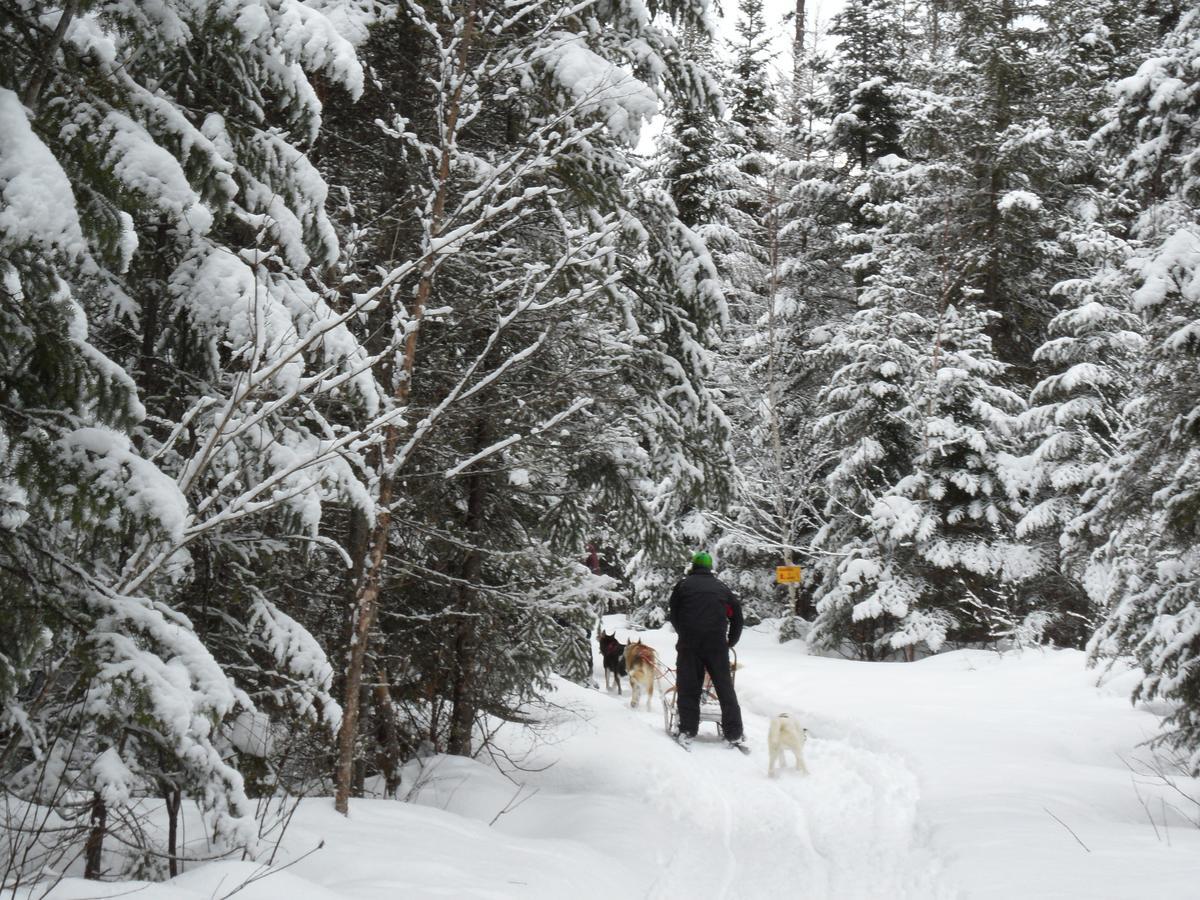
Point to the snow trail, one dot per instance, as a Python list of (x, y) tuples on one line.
[(723, 829), (924, 777)]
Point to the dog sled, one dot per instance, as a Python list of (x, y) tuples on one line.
[(710, 705)]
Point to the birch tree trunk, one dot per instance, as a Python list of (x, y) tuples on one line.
[(366, 601)]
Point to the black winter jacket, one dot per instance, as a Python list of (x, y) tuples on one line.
[(702, 607)]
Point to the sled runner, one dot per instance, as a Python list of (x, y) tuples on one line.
[(710, 706)]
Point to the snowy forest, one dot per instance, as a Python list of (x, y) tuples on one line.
[(356, 356)]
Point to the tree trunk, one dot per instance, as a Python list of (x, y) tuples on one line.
[(360, 777), (32, 94), (366, 604), (150, 302), (174, 799), (388, 733), (464, 708), (93, 849), (369, 584), (773, 391), (798, 86), (798, 46)]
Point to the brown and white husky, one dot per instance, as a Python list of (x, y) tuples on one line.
[(641, 663)]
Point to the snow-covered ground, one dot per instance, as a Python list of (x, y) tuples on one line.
[(969, 774)]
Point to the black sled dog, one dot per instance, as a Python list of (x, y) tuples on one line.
[(613, 653)]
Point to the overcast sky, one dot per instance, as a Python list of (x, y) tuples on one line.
[(817, 12)]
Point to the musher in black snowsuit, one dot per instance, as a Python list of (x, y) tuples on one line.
[(708, 619)]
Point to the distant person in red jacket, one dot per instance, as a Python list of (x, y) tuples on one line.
[(708, 619)]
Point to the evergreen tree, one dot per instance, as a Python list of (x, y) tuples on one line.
[(751, 97), (168, 353), (692, 148), (997, 198), (875, 357), (562, 378), (1146, 571), (1074, 425), (1075, 420), (977, 122), (919, 547), (866, 79), (916, 417), (744, 193)]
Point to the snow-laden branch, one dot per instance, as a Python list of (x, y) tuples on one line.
[(495, 448), (482, 454)]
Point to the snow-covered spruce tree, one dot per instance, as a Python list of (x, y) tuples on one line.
[(709, 161), (876, 357), (1089, 44), (998, 195), (865, 78), (977, 110), (1073, 426), (918, 542), (843, 114), (692, 151), (749, 93), (819, 236), (868, 103), (728, 194), (1147, 570), (561, 313), (161, 298), (780, 277), (918, 549), (1075, 418)]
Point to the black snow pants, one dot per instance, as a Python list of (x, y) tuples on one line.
[(709, 654)]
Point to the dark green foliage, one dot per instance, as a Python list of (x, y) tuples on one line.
[(865, 101)]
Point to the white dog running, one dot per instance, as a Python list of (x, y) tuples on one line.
[(786, 734)]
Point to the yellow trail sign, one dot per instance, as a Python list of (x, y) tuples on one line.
[(787, 574)]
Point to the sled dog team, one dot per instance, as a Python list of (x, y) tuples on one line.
[(636, 660), (639, 663)]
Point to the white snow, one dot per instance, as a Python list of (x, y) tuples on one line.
[(36, 200), (111, 466), (1019, 200), (111, 777), (142, 165), (599, 87), (1173, 268), (970, 774), (250, 733), (302, 33)]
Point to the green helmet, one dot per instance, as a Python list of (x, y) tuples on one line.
[(702, 559)]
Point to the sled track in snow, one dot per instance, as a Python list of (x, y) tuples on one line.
[(849, 830)]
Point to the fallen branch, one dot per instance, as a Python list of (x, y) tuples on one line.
[(1068, 827), (266, 871), (513, 804)]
